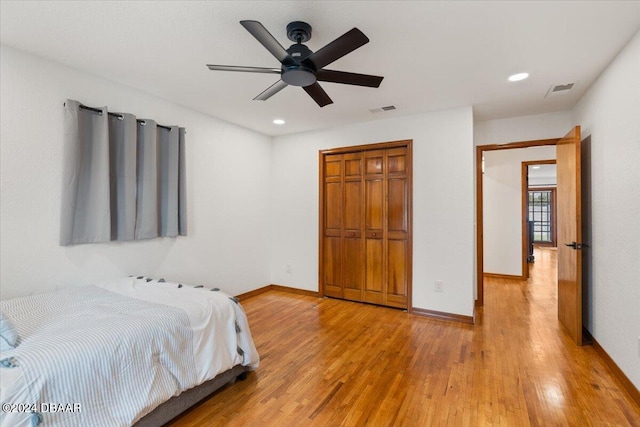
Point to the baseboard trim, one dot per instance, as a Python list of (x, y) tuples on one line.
[(295, 290), (626, 383), (253, 293), (503, 276), (440, 315), (273, 287)]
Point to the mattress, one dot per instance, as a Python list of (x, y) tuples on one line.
[(109, 354)]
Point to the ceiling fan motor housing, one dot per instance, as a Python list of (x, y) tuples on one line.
[(298, 74), (299, 52)]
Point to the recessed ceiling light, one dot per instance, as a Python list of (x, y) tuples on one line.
[(278, 121), (518, 77)]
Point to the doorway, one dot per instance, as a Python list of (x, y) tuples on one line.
[(539, 182), (502, 208), (480, 240), (569, 272)]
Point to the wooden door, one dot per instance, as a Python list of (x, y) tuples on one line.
[(387, 227), (375, 254), (365, 235), (352, 214), (397, 227), (332, 226), (569, 234)]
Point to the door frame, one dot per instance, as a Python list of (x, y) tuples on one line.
[(368, 147), (480, 149)]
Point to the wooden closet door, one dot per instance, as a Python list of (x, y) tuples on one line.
[(397, 228), (374, 207), (332, 235), (366, 224), (352, 243)]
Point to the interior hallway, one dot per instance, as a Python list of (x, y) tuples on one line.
[(327, 362)]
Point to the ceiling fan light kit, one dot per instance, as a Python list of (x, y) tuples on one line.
[(302, 67)]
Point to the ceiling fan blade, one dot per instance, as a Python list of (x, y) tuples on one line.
[(261, 34), (349, 78), (271, 90), (244, 69), (348, 42), (318, 94)]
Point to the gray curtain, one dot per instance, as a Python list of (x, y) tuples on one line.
[(122, 164), (86, 207), (147, 214), (124, 179), (168, 162), (182, 185)]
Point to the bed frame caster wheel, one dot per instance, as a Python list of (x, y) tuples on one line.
[(242, 376)]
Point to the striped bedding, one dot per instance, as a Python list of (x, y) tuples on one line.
[(107, 355)]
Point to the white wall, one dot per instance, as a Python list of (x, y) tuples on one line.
[(443, 240), (523, 128), (502, 206), (228, 171), (610, 114)]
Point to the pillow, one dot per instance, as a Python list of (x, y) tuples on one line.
[(8, 334)]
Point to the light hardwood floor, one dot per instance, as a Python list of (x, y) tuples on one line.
[(327, 362)]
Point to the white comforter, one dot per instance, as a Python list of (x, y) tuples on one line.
[(201, 333)]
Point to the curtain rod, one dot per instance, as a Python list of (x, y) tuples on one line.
[(120, 116)]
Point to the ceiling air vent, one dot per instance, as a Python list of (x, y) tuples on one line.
[(381, 109), (560, 89)]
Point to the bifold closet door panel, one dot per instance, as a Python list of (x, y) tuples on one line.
[(332, 213), (374, 226), (397, 225), (353, 219)]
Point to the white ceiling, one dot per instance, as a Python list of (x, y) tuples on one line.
[(543, 171), (433, 55)]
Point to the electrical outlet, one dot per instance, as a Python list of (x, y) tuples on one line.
[(288, 268), (439, 286)]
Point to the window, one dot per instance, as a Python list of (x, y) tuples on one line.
[(541, 209)]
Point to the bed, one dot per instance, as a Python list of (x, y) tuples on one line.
[(132, 351)]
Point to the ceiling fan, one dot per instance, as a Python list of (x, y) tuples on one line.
[(302, 67)]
